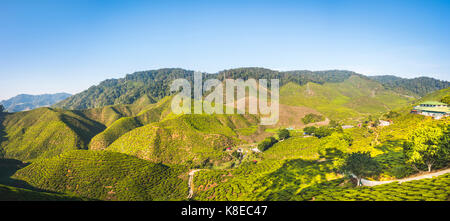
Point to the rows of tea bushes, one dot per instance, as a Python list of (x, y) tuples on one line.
[(107, 176), (437, 188)]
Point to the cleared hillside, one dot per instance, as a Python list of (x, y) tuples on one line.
[(353, 98)]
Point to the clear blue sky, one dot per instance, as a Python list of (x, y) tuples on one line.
[(67, 46)]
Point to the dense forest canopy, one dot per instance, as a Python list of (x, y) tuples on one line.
[(419, 86), (156, 83)]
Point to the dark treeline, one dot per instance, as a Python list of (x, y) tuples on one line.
[(156, 84)]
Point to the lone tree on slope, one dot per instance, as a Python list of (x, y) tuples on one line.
[(426, 146), (360, 164)]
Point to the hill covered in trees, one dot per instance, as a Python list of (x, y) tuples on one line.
[(416, 86), (123, 143), (23, 102), (155, 84)]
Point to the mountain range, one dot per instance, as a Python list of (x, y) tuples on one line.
[(23, 102)]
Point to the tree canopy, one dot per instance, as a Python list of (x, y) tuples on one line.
[(360, 164), (283, 134), (426, 146)]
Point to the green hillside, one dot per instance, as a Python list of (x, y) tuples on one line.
[(431, 189), (194, 140), (353, 98), (151, 113), (45, 132), (436, 95), (155, 84), (420, 86), (290, 167), (106, 176)]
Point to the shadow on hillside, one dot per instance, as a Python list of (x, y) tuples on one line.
[(390, 145), (8, 168), (2, 132), (294, 174)]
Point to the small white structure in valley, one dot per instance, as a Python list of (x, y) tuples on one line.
[(384, 123), (347, 126)]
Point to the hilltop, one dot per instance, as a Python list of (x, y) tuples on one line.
[(155, 84), (45, 132)]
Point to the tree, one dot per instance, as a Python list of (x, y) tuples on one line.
[(425, 147), (2, 109), (446, 99), (322, 132), (391, 115), (360, 164), (283, 134), (267, 143), (309, 130)]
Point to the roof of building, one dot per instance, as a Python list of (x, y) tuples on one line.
[(433, 103), (433, 109)]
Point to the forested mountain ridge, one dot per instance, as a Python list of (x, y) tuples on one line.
[(420, 86), (23, 102), (126, 90), (155, 84)]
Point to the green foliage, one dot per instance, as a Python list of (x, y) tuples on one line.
[(267, 143), (318, 132), (416, 86), (345, 101), (2, 108), (127, 90), (446, 99), (45, 132), (391, 115), (151, 114), (294, 148), (434, 189), (185, 138), (361, 164), (426, 146), (283, 134), (106, 176), (312, 118)]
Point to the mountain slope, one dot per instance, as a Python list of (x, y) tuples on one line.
[(155, 84), (23, 102), (436, 96), (416, 86), (193, 140), (45, 132), (106, 176), (353, 98), (152, 113), (126, 90)]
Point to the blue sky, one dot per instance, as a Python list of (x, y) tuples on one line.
[(69, 45)]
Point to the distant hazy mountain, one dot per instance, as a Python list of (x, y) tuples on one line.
[(24, 102)]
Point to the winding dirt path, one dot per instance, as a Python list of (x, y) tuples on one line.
[(191, 182), (365, 182)]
